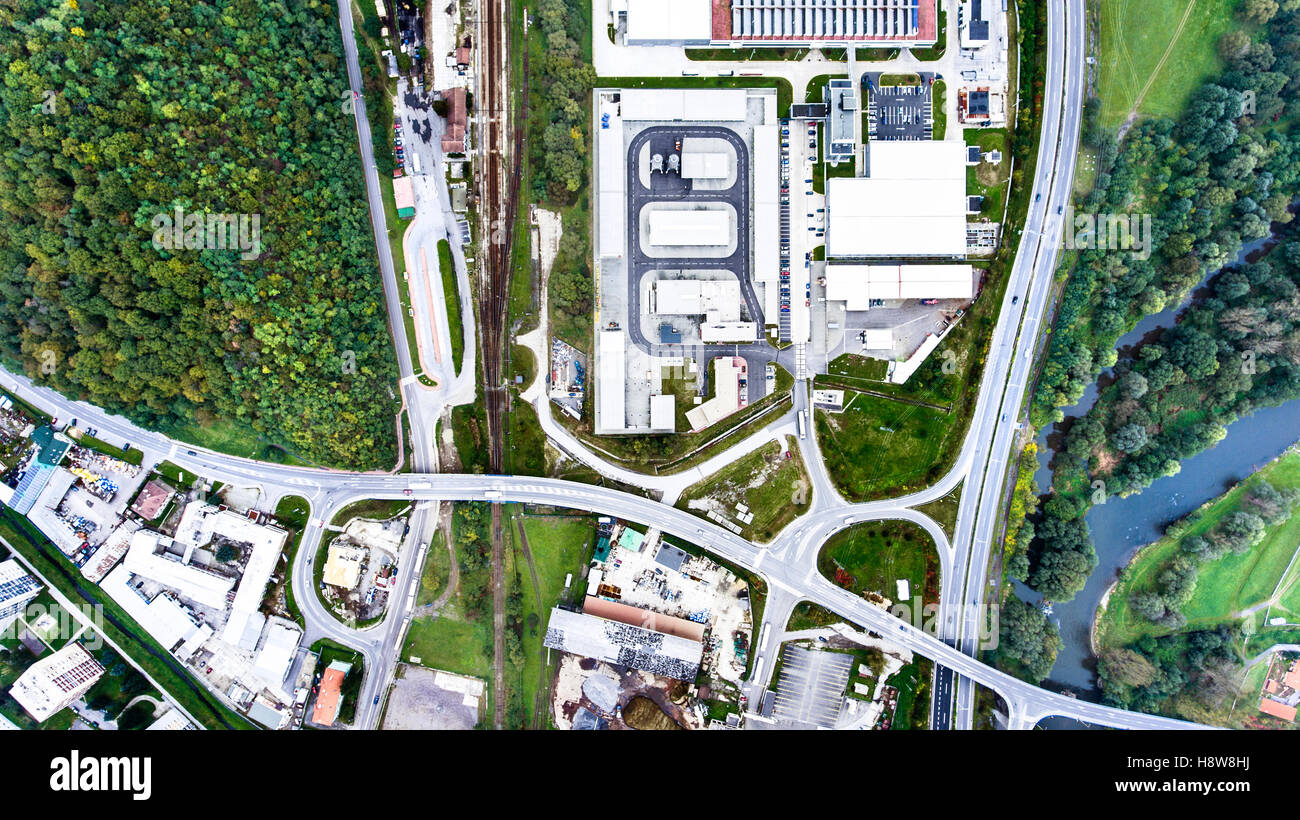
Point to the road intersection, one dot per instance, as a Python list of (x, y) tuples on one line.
[(787, 565)]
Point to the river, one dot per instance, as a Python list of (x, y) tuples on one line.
[(1121, 525)]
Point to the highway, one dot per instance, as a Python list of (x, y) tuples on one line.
[(1036, 262), (789, 563)]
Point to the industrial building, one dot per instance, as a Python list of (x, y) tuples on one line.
[(330, 698), (705, 165), (49, 685), (716, 299), (982, 106), (202, 523), (912, 204), (268, 713), (776, 22), (404, 197), (667, 22), (683, 105), (842, 118), (974, 31), (41, 469), (644, 618), (728, 373), (168, 562), (611, 175), (688, 189), (109, 552), (44, 514), (706, 227), (276, 655), (17, 589), (611, 413), (859, 285), (343, 566), (663, 413), (168, 621), (623, 644)]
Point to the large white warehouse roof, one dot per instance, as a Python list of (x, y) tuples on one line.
[(669, 21), (857, 285), (690, 228), (610, 384), (668, 104), (700, 165), (719, 299), (913, 204)]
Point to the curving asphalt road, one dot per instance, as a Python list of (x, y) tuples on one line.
[(788, 564)]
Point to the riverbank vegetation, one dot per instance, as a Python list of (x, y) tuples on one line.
[(1231, 561), (1196, 189)]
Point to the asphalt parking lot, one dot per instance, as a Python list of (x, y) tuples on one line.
[(811, 688), (900, 112)]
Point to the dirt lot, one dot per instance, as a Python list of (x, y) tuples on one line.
[(431, 699), (646, 690)]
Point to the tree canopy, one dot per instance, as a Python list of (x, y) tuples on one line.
[(114, 114)]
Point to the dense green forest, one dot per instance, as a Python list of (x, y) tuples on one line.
[(112, 114), (560, 81), (1193, 674), (1211, 181)]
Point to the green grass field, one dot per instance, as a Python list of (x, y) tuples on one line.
[(879, 553), (988, 180), (858, 368), (939, 109), (782, 494), (880, 446), (808, 615), (944, 510), (559, 546), (235, 439), (1226, 586), (451, 292), (436, 572), (1155, 53), (451, 641), (452, 645)]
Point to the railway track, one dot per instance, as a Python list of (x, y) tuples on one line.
[(503, 170)]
